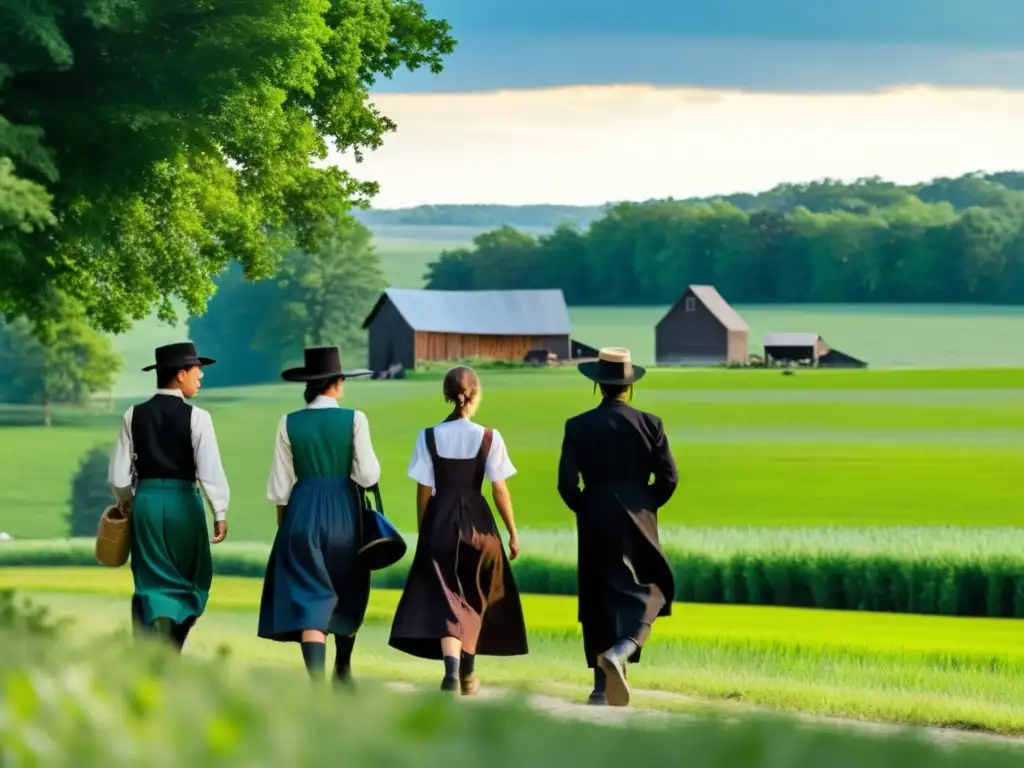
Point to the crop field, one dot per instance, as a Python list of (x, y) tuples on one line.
[(857, 448), (916, 670)]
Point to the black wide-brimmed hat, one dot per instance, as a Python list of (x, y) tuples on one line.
[(320, 363), (180, 355), (614, 365)]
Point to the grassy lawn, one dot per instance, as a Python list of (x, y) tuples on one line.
[(861, 448), (915, 670)]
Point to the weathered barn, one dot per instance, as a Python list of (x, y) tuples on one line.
[(701, 329), (806, 348), (408, 326)]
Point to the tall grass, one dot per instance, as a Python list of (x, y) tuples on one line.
[(99, 706), (960, 673), (941, 571)]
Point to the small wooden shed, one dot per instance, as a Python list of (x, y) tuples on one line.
[(806, 348), (408, 326), (701, 329)]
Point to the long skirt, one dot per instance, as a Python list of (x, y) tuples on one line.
[(314, 579), (460, 585), (170, 552)]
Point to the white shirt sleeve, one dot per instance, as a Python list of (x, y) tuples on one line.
[(282, 471), (421, 468), (209, 469), (499, 466), (119, 475), (365, 466)]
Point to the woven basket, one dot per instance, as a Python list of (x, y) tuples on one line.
[(113, 538)]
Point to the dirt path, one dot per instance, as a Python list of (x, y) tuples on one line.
[(562, 707)]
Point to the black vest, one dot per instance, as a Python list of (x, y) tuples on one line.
[(162, 437)]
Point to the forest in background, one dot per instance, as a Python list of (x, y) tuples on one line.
[(949, 240)]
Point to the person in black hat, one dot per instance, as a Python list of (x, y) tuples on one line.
[(165, 457), (316, 584), (625, 580)]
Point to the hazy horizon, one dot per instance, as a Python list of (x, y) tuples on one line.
[(588, 145)]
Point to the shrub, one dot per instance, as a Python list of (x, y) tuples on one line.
[(941, 571), (90, 494)]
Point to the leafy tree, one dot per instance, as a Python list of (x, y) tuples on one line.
[(175, 136), (62, 361), (90, 494), (318, 298), (849, 249)]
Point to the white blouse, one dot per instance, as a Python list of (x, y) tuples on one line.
[(209, 469), (365, 466), (460, 440)]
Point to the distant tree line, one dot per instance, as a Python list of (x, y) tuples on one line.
[(950, 240)]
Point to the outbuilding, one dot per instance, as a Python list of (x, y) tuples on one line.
[(701, 329), (409, 326)]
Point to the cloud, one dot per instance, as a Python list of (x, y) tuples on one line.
[(591, 144)]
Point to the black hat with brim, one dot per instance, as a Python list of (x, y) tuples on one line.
[(321, 363), (613, 366), (180, 355)]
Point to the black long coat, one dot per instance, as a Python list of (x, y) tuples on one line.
[(625, 580)]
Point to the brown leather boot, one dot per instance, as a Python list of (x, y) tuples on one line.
[(613, 662)]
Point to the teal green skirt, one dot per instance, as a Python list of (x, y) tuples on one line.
[(170, 551)]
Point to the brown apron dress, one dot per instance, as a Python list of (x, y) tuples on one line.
[(460, 583)]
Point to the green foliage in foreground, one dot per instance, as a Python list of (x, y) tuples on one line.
[(937, 671), (941, 571), (98, 706)]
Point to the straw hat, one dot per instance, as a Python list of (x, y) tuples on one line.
[(614, 365)]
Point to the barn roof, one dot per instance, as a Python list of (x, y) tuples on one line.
[(496, 313), (791, 339), (712, 300)]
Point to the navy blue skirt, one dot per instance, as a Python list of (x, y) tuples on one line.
[(314, 579)]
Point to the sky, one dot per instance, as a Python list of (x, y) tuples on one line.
[(586, 101)]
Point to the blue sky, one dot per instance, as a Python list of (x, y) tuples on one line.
[(766, 45)]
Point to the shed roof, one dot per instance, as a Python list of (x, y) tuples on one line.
[(791, 339), (709, 296), (493, 313)]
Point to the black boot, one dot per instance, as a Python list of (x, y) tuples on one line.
[(613, 662), (597, 697), (179, 632), (451, 674), (343, 660), (315, 657)]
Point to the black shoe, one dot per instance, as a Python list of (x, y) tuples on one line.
[(451, 684), (597, 699)]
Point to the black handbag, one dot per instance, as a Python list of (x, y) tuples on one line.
[(381, 545)]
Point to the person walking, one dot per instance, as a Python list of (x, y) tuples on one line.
[(315, 583), (625, 580), (460, 599), (166, 458)]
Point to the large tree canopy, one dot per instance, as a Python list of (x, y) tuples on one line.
[(176, 135)]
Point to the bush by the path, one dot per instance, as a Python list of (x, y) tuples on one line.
[(66, 704), (941, 571)]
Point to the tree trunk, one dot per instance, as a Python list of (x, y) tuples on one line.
[(47, 413)]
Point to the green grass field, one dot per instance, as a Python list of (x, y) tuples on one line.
[(857, 448), (916, 670)]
